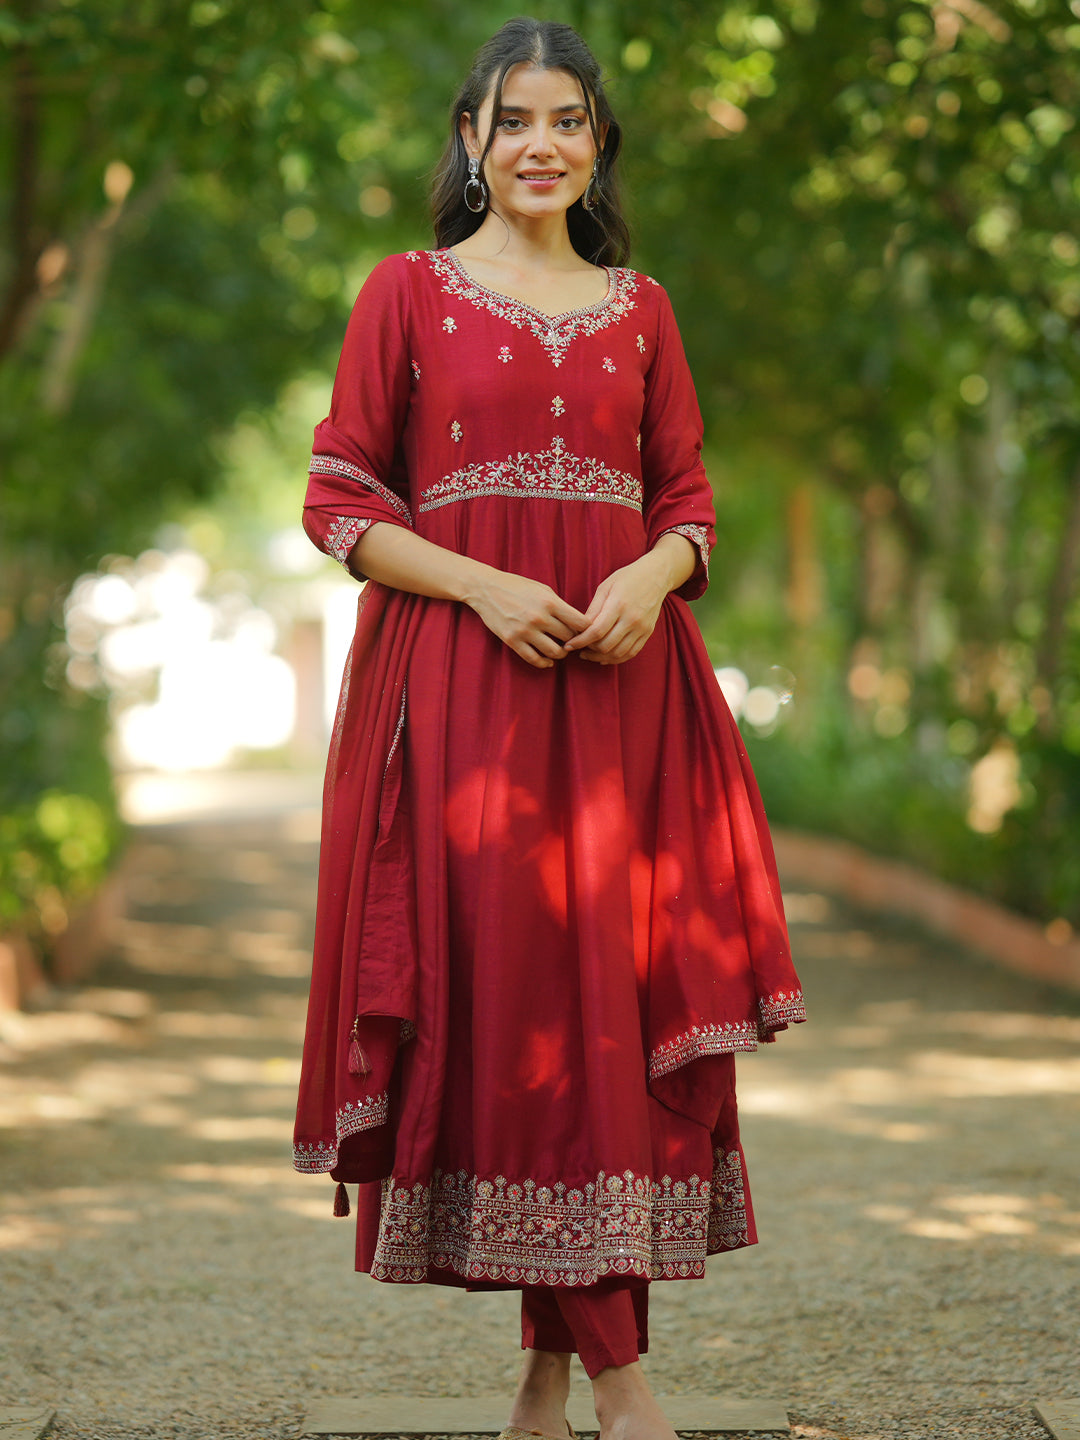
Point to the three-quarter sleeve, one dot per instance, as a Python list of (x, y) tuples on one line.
[(358, 474), (678, 496)]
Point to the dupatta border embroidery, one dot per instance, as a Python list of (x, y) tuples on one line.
[(774, 1012), (556, 473), (315, 1157), (346, 470), (529, 1234), (555, 332)]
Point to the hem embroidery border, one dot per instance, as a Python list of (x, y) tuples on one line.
[(521, 1232), (555, 473)]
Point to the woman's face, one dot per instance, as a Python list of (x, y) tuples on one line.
[(542, 156)]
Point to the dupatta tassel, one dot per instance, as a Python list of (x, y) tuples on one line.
[(341, 1201), (359, 1064)]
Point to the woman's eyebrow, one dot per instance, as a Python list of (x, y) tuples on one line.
[(524, 109)]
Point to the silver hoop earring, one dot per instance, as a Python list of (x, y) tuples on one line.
[(591, 197), (475, 189)]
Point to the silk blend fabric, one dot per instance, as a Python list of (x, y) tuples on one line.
[(548, 908)]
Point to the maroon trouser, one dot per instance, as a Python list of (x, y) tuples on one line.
[(605, 1324)]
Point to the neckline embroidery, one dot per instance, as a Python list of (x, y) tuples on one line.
[(555, 332)]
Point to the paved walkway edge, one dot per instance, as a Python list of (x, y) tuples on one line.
[(893, 887), (423, 1415)]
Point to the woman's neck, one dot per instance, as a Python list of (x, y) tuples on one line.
[(535, 245)]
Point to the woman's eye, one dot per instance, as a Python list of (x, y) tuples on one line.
[(571, 122), (509, 121)]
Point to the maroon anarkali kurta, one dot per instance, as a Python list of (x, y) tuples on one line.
[(548, 907)]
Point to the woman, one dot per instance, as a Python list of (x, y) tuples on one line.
[(548, 908)]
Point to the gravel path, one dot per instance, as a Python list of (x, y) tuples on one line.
[(164, 1272)]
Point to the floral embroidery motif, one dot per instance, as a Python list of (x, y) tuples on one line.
[(641, 343), (455, 430), (345, 470), (449, 324), (522, 1232), (609, 364), (555, 473), (315, 1157), (774, 1012), (504, 354), (698, 535), (415, 369), (412, 254), (557, 406), (637, 440), (781, 1009), (343, 535), (555, 332)]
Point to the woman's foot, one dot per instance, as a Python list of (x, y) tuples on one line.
[(540, 1402), (625, 1406)]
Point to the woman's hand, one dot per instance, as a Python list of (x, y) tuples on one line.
[(526, 615), (623, 612)]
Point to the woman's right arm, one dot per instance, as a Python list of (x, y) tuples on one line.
[(526, 615)]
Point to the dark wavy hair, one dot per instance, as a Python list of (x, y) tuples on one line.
[(601, 235)]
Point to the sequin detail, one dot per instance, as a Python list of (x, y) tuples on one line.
[(343, 535), (415, 369), (555, 473), (449, 324), (641, 343), (609, 364), (555, 332), (557, 406), (774, 1012), (346, 470), (525, 1233), (455, 430), (316, 1157), (504, 354)]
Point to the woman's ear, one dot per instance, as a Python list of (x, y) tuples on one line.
[(467, 131)]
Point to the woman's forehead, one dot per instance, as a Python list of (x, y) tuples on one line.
[(530, 88)]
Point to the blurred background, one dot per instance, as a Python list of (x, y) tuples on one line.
[(867, 216)]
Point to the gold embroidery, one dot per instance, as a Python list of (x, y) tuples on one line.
[(557, 406), (523, 1232), (504, 354), (315, 1157), (449, 324), (455, 430), (555, 473), (609, 364), (343, 535), (344, 469), (774, 1011), (555, 332)]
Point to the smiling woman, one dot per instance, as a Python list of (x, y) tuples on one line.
[(548, 908)]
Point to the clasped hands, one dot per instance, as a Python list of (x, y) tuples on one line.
[(537, 624)]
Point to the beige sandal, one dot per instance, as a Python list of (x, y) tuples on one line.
[(512, 1432)]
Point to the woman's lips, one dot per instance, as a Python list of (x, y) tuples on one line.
[(542, 182)]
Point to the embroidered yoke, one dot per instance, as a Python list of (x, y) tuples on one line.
[(548, 907)]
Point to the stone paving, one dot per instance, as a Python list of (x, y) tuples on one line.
[(164, 1272)]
